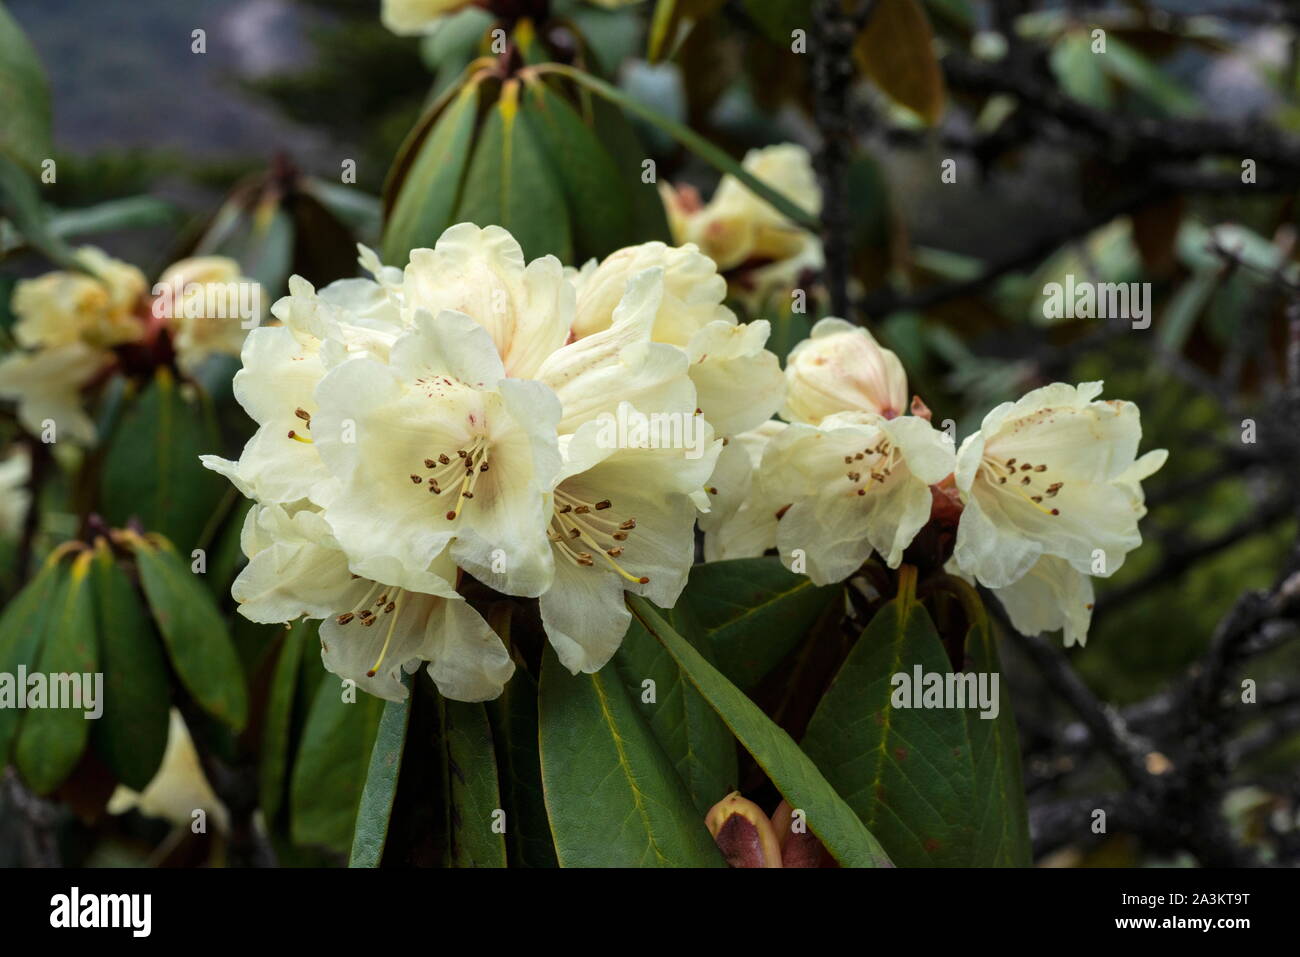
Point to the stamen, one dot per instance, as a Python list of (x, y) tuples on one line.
[(387, 638)]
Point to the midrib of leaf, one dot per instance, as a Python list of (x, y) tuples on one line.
[(755, 609), (625, 766)]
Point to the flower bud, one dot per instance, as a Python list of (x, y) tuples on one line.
[(841, 368), (800, 847), (743, 832)]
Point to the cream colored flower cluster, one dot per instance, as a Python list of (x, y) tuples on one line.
[(69, 323), (549, 432), (1049, 487)]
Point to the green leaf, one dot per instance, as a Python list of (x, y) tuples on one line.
[(24, 97), (697, 144), (612, 795), (778, 19), (907, 772), (1001, 819), (52, 739), (371, 831), (131, 736), (152, 469), (691, 734), (599, 214), (473, 794), (513, 717), (22, 628), (20, 200), (752, 612), (793, 773), (430, 188), (331, 768), (896, 49), (194, 632), (277, 723), (1079, 71), (510, 184)]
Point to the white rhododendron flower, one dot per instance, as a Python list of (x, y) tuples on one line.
[(841, 367), (473, 413), (740, 524), (1055, 473), (856, 483), (15, 472), (737, 380), (623, 520)]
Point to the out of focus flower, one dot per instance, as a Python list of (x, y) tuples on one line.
[(208, 305), (741, 232), (47, 386), (178, 789), (839, 368), (97, 309), (15, 471)]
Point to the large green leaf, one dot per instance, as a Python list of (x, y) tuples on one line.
[(430, 188), (193, 630), (600, 215), (331, 767), (793, 773), (612, 795), (1001, 819), (513, 717), (131, 736), (906, 771), (473, 796), (510, 183), (51, 738), (752, 612), (24, 624), (24, 97), (152, 469), (690, 732), (371, 831)]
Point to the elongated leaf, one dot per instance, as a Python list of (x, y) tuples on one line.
[(131, 736), (20, 201), (24, 97), (194, 632), (513, 717), (22, 629), (692, 141), (152, 469), (53, 736), (612, 795), (793, 773), (371, 831), (753, 612), (896, 49), (331, 767), (277, 726), (430, 190), (600, 215), (473, 799), (510, 184), (691, 734), (1001, 819), (672, 23), (906, 771)]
